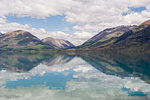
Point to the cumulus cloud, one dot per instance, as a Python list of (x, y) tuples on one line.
[(34, 8), (2, 20), (79, 12), (100, 14)]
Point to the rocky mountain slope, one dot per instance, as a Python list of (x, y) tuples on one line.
[(123, 38), (21, 39), (136, 40), (107, 36), (140, 36), (57, 43)]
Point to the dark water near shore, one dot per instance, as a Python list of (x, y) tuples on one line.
[(74, 77)]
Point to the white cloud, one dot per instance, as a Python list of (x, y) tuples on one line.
[(86, 14), (34, 8), (2, 20), (100, 14)]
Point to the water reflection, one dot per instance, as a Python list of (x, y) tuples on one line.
[(70, 77), (19, 62), (122, 65)]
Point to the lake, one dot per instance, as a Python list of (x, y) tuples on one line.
[(74, 77)]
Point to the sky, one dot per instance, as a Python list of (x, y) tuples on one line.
[(73, 20)]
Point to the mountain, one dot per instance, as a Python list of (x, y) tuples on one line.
[(57, 43), (57, 59), (107, 36), (136, 38), (20, 39), (122, 39), (0, 33)]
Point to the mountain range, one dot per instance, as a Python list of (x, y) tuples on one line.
[(107, 36), (21, 39), (122, 37), (135, 37)]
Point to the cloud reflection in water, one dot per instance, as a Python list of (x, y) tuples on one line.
[(72, 79)]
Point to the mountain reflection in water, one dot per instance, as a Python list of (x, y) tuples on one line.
[(74, 77)]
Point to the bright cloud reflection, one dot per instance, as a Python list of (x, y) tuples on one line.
[(86, 83)]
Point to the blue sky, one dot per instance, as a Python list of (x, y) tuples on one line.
[(53, 23), (137, 9), (134, 9)]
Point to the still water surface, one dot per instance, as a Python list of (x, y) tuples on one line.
[(68, 77)]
